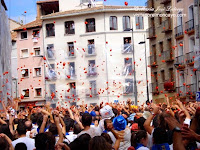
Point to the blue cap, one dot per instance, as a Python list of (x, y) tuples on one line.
[(93, 113), (119, 123)]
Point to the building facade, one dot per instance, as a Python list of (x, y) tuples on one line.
[(162, 41), (89, 55), (30, 60), (5, 55)]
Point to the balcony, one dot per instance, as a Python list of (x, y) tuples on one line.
[(190, 58), (169, 86), (167, 26), (181, 92), (165, 1), (71, 94), (51, 54), (91, 93), (127, 48), (127, 70), (35, 40), (150, 4), (51, 75), (179, 32), (90, 50), (91, 71), (168, 56), (153, 61), (189, 26), (191, 90), (180, 62), (154, 88), (70, 75), (71, 54), (197, 31), (152, 33), (128, 91)]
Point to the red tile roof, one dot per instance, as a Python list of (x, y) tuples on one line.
[(13, 36), (33, 24), (110, 8)]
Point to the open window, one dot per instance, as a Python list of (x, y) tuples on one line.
[(91, 68), (69, 27), (37, 51), (91, 47), (71, 52), (126, 22), (25, 73), (38, 92), (50, 30), (25, 93), (72, 69), (128, 86), (24, 35), (90, 25), (52, 89), (127, 47), (36, 33), (37, 72), (139, 22)]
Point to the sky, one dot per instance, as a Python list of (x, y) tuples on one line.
[(16, 8)]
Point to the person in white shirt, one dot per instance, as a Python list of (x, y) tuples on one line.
[(21, 130)]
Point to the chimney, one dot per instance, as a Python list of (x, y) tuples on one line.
[(39, 12)]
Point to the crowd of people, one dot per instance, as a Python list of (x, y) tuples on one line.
[(108, 126)]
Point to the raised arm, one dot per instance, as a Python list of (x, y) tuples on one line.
[(57, 122), (42, 128)]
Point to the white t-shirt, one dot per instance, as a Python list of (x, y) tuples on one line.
[(92, 132), (30, 143), (143, 148), (71, 137)]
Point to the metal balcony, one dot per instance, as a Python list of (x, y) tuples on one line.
[(189, 26), (152, 33), (191, 90), (165, 1), (91, 72), (127, 48), (190, 58), (154, 88), (127, 70), (71, 94), (153, 61), (181, 91), (90, 50), (179, 32), (70, 75), (51, 75), (180, 62), (91, 93), (168, 56), (167, 26)]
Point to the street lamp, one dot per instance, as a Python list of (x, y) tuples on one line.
[(143, 42), (134, 73)]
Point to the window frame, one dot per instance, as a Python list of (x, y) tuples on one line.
[(138, 21), (22, 74), (35, 74), (21, 53), (38, 33), (69, 29), (25, 92), (113, 23), (35, 92), (125, 22), (87, 24), (34, 51), (47, 30), (26, 35)]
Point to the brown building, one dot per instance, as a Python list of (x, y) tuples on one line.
[(161, 60)]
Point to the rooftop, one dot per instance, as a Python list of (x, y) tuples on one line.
[(94, 10), (13, 36), (14, 21), (33, 24)]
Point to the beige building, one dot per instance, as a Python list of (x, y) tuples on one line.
[(89, 54)]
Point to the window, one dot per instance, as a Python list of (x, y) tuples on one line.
[(73, 88), (91, 47), (25, 73), (180, 49), (24, 35), (50, 51), (163, 75), (161, 47), (179, 19), (25, 93), (37, 71), (38, 92), (50, 30), (90, 25), (72, 69), (126, 22), (160, 20), (127, 48), (91, 68), (69, 27), (36, 33), (139, 22), (51, 72), (191, 44), (37, 51), (52, 89), (71, 49), (113, 23), (24, 53), (171, 74), (128, 86), (93, 87), (128, 70)]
